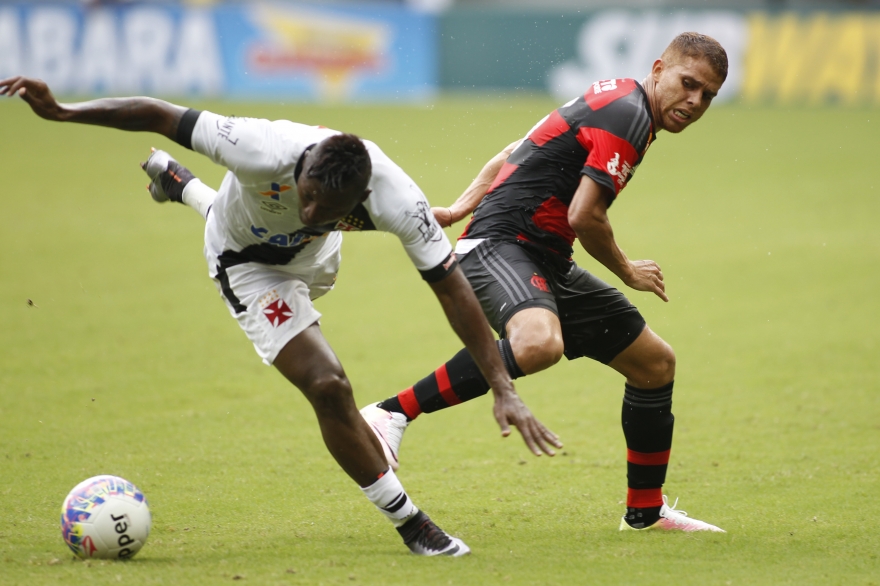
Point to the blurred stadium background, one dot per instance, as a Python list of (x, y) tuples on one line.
[(781, 51)]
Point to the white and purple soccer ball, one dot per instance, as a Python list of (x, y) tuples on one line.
[(105, 517)]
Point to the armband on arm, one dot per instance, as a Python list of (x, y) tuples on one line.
[(442, 270), (186, 127)]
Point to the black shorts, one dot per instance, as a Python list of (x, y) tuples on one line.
[(597, 320)]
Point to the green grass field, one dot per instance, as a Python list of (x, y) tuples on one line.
[(765, 224)]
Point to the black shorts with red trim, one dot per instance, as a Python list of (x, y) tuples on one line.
[(598, 321)]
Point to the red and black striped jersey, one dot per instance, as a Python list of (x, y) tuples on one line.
[(603, 134)]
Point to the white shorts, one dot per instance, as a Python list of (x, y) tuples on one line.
[(273, 303)]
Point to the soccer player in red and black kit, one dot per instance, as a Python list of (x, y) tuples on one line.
[(532, 202)]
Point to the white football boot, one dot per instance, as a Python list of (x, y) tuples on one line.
[(168, 178), (423, 537), (673, 520), (154, 167), (388, 427)]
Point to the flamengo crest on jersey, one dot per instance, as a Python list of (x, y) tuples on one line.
[(603, 134)]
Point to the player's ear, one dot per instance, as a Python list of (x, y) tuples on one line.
[(366, 194), (657, 69)]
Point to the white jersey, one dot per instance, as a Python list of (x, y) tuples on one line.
[(256, 212)]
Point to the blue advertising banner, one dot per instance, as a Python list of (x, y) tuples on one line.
[(257, 50)]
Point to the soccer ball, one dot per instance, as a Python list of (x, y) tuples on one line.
[(105, 517)]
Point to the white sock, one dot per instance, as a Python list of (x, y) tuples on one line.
[(389, 497), (199, 196)]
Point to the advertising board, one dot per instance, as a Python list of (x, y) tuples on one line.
[(775, 58), (261, 50)]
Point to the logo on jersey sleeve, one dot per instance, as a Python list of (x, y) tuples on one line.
[(225, 128), (609, 154), (276, 310), (428, 227), (621, 172)]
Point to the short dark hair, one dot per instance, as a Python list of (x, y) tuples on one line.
[(341, 160), (699, 46)]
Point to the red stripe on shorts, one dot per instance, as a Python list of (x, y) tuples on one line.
[(409, 403), (642, 498), (647, 458), (445, 386)]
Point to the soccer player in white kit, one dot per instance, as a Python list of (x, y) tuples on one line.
[(272, 244)]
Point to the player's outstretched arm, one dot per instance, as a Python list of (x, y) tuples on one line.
[(476, 191), (134, 114), (588, 217), (466, 318)]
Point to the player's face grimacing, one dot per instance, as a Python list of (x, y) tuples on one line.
[(683, 90)]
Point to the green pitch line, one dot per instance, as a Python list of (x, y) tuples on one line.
[(126, 362)]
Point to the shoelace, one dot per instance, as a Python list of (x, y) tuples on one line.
[(672, 508)]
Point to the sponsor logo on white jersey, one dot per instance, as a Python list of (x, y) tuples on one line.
[(285, 240), (274, 192), (273, 207)]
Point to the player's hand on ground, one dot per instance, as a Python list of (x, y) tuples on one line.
[(510, 410), (647, 276), (443, 216), (35, 92)]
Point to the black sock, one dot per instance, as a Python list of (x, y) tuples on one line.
[(455, 382), (647, 426)]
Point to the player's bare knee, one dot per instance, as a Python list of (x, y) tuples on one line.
[(666, 364), (329, 394), (537, 351), (659, 370)]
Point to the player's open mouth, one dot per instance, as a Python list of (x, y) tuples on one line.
[(681, 115)]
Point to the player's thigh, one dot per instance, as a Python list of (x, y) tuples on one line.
[(598, 321), (506, 280), (271, 306)]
